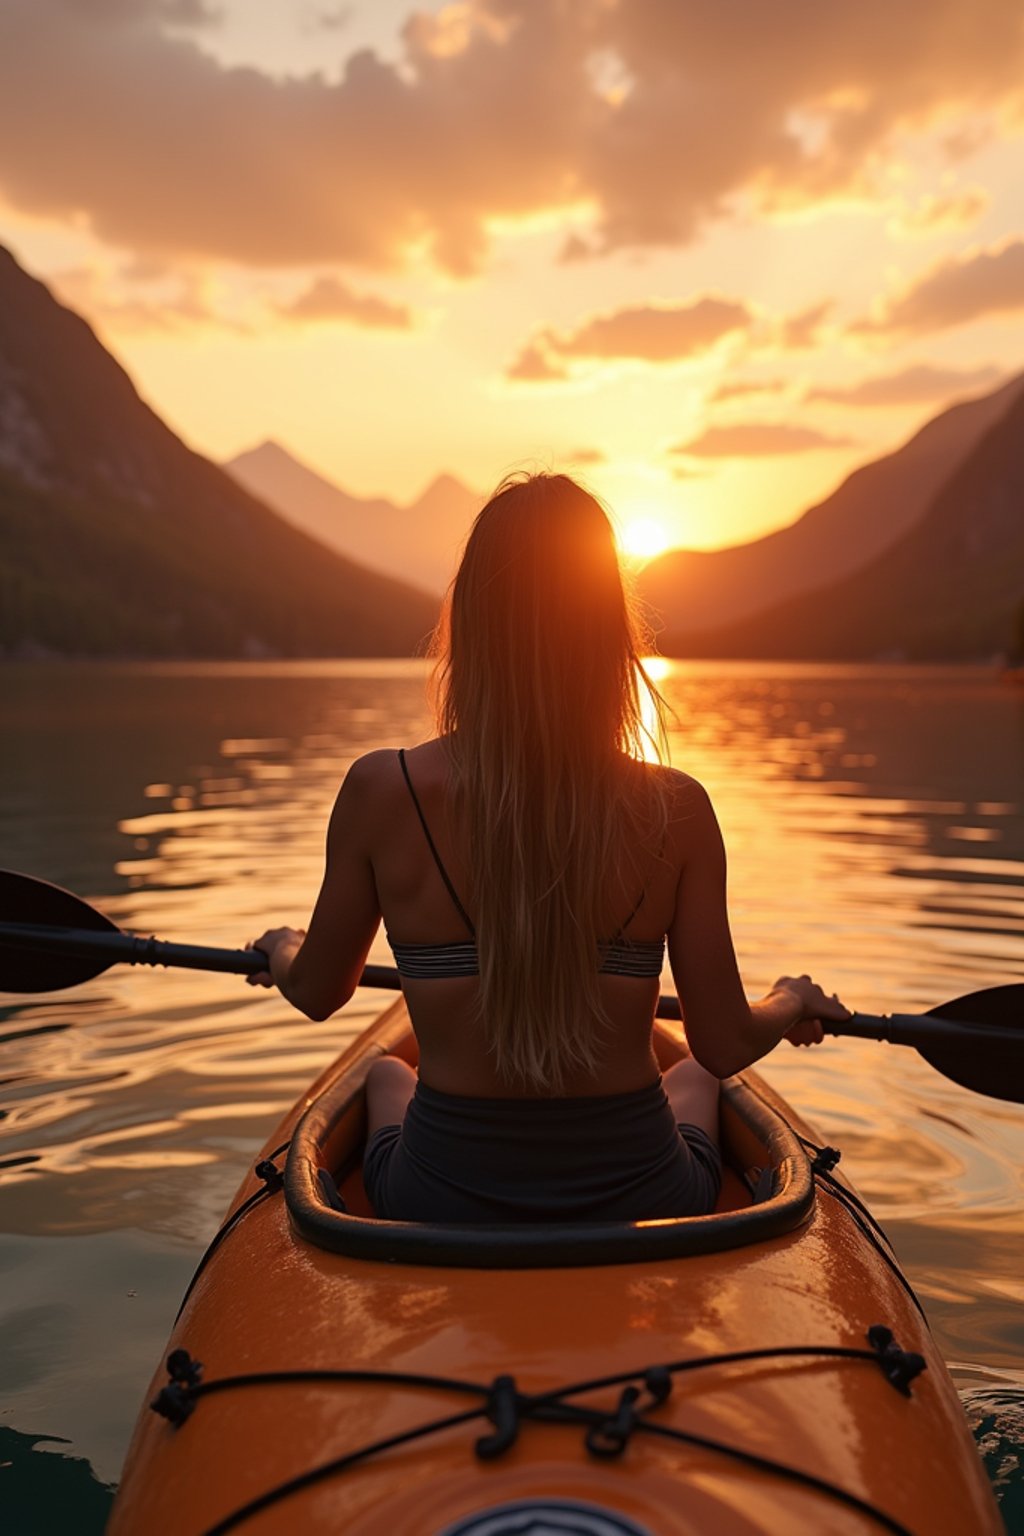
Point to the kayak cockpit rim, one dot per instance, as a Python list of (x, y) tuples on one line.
[(329, 1136)]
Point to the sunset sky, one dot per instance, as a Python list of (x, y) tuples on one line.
[(711, 254)]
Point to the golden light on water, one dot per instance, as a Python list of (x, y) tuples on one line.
[(657, 669)]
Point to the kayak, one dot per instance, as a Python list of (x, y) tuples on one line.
[(764, 1368)]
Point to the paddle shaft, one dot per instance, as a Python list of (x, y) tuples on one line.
[(119, 948), (130, 949), (896, 1029)]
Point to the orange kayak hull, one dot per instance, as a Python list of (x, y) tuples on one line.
[(270, 1300)]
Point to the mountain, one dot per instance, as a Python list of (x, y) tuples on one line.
[(420, 542), (693, 590), (116, 539), (951, 588)]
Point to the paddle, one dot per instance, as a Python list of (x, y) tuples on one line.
[(51, 939)]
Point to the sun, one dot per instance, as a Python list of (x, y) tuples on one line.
[(643, 538)]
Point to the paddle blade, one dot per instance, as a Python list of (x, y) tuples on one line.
[(24, 899), (992, 1069)]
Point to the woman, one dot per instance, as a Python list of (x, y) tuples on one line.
[(529, 865)]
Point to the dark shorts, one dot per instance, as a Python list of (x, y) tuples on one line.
[(617, 1157)]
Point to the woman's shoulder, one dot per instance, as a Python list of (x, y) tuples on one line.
[(689, 817), (378, 775), (367, 799), (684, 795), (369, 773), (372, 766)]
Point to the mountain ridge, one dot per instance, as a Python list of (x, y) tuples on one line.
[(693, 591), (950, 588), (118, 539), (417, 542)]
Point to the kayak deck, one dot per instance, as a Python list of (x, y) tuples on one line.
[(343, 1392)]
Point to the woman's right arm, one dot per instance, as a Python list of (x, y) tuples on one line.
[(318, 971), (724, 1031)]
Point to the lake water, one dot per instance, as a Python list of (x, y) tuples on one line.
[(875, 825)]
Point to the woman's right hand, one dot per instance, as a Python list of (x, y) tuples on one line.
[(814, 1005), (288, 939)]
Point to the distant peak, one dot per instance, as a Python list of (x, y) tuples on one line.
[(443, 487), (268, 448), (443, 482)]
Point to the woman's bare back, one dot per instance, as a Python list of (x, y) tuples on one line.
[(418, 910)]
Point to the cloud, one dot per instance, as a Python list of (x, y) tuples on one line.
[(955, 291), (757, 439), (142, 296), (145, 294), (493, 109), (189, 13), (966, 139), (789, 103), (920, 383), (175, 153), (534, 365), (180, 13), (654, 333), (575, 248), (328, 298), (800, 332), (737, 389), (586, 456), (936, 212), (144, 269), (649, 333), (335, 18)]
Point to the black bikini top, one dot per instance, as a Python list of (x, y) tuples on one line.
[(619, 957)]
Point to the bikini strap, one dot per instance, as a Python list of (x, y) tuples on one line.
[(621, 929), (432, 846)]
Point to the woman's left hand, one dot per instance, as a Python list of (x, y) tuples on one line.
[(270, 942)]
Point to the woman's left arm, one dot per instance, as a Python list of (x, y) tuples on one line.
[(318, 969)]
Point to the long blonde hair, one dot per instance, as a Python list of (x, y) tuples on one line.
[(539, 697)]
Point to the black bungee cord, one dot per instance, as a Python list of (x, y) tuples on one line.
[(273, 1180), (607, 1436), (822, 1163)]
